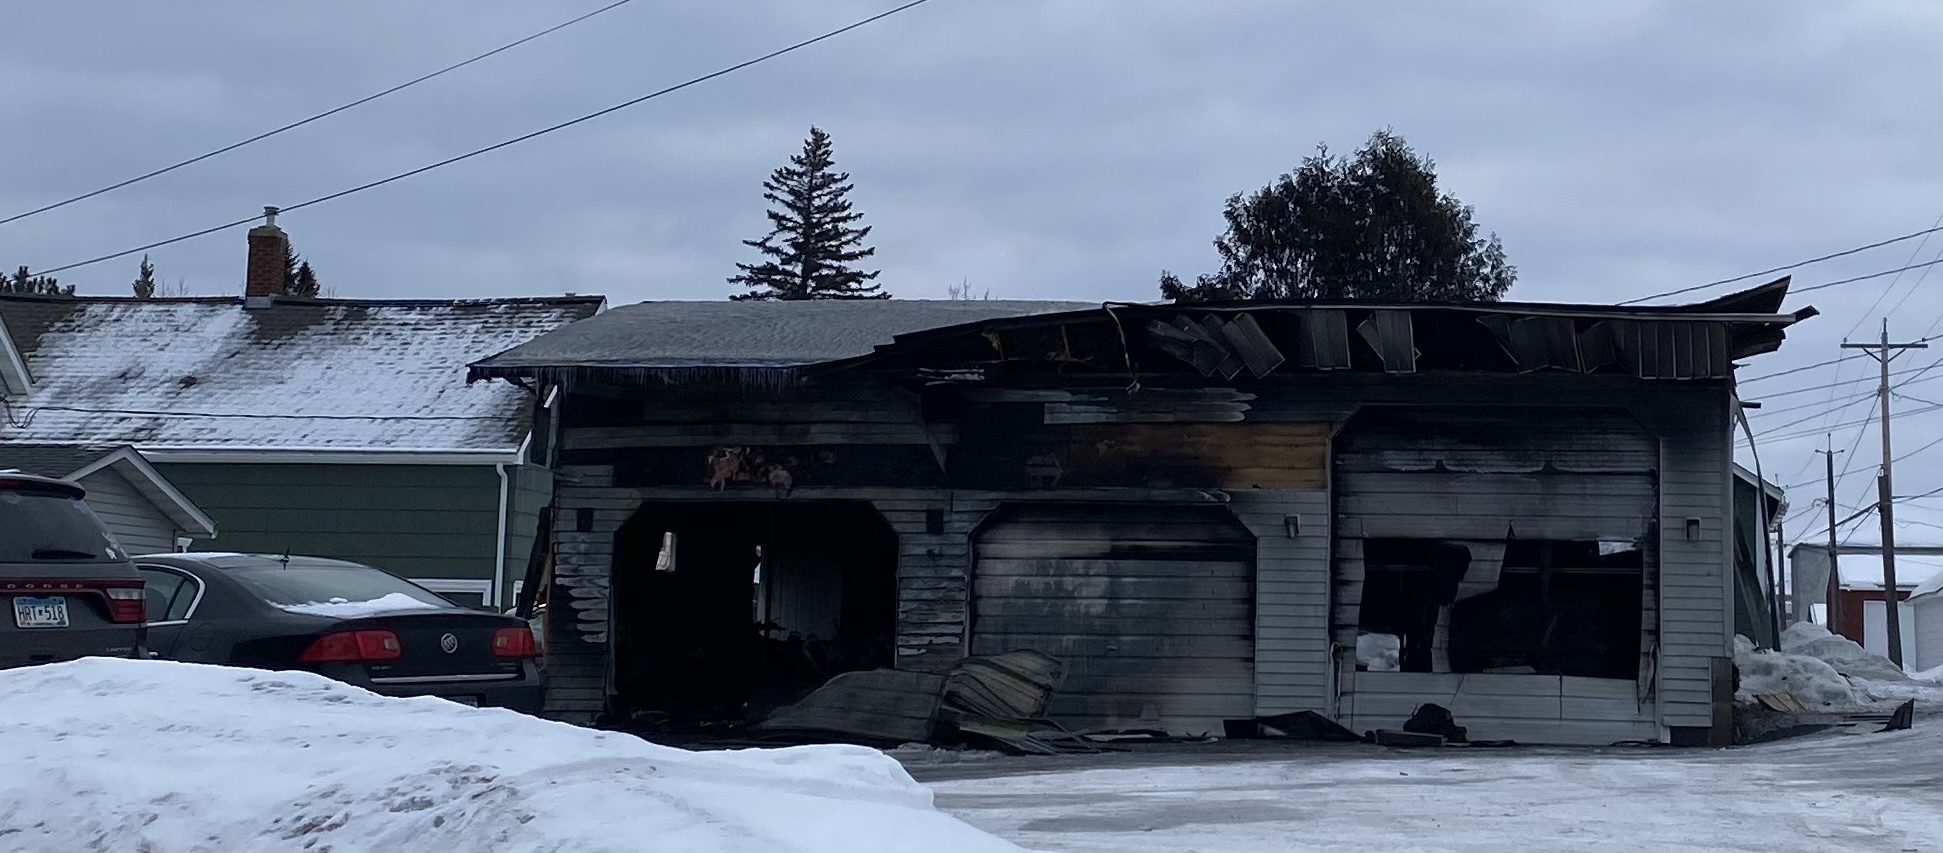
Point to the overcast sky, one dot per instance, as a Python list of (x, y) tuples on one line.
[(1066, 149)]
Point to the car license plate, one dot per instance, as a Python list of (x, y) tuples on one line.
[(48, 612)]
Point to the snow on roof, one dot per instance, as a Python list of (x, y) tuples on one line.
[(1934, 584), (1864, 571), (208, 373), (256, 760)]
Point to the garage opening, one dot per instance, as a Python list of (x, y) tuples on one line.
[(1554, 607), (723, 611)]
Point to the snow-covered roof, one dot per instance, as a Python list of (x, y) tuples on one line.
[(1864, 571), (208, 373)]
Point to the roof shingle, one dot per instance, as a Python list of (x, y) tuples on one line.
[(323, 374)]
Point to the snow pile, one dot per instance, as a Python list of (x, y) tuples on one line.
[(1379, 652), (1812, 682), (140, 755), (1933, 674), (1842, 653), (390, 602)]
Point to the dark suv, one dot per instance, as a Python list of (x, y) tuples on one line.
[(66, 589)]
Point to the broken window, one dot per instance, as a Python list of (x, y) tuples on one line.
[(1554, 607)]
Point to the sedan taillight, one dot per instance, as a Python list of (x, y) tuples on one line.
[(514, 643), (353, 646)]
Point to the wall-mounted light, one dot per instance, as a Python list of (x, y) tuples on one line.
[(1693, 530), (1292, 525)]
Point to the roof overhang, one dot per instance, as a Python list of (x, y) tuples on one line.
[(15, 379), (188, 517), (329, 455)]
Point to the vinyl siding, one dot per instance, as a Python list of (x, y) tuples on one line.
[(532, 490), (137, 524), (419, 521)]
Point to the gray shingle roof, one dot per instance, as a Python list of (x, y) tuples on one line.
[(749, 334), (299, 374), (49, 460)]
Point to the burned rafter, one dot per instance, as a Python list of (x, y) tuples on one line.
[(1217, 345)]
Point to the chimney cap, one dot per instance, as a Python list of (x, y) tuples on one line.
[(270, 215)]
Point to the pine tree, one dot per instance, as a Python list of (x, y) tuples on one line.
[(23, 281), (298, 278), (814, 238), (144, 283)]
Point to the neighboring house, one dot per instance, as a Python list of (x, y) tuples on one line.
[(1926, 612), (146, 513), (1200, 509), (335, 427), (1861, 613)]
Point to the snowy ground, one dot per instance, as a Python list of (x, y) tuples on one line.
[(1825, 792), (119, 755)]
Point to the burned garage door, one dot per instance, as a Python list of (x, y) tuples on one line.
[(1150, 607), (1515, 545)]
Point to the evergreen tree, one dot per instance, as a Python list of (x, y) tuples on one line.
[(814, 237), (1370, 226), (298, 278), (144, 283), (23, 281)]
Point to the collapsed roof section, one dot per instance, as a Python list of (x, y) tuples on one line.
[(779, 343)]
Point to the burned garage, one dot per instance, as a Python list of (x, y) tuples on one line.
[(1204, 513)]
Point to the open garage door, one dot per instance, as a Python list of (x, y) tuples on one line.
[(1150, 607)]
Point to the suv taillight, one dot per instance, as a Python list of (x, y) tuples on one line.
[(352, 646), (125, 602), (514, 643)]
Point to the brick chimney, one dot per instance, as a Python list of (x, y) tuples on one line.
[(269, 246)]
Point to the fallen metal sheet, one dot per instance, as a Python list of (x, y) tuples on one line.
[(879, 705), (1015, 685), (1300, 725), (1392, 737), (1031, 737), (1781, 702)]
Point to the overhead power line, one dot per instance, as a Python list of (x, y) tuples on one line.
[(498, 145), (1794, 370), (1869, 276), (1786, 267), (1913, 254), (319, 116), (1897, 416), (1805, 389)]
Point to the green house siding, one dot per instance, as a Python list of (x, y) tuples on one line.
[(419, 521)]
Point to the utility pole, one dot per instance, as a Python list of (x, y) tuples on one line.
[(1834, 593), (1884, 353)]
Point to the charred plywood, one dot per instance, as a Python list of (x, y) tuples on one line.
[(1013, 451), (1150, 608)]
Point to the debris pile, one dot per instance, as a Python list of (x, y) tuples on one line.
[(1809, 681)]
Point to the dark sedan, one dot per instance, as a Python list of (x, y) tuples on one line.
[(341, 620)]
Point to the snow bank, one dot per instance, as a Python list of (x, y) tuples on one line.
[(1812, 682), (390, 602), (1934, 673), (139, 755), (1840, 652)]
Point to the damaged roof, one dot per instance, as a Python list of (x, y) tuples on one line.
[(749, 334), (776, 341), (297, 374)]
